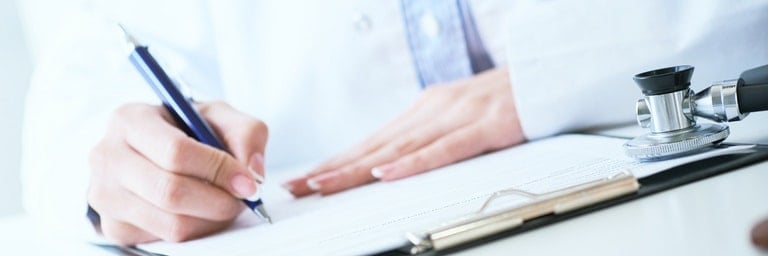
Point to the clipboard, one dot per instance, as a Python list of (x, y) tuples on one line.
[(553, 207)]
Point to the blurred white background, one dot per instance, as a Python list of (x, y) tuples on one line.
[(15, 69)]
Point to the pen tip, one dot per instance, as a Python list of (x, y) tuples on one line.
[(262, 212), (130, 41), (122, 28)]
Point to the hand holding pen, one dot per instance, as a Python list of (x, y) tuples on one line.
[(150, 180)]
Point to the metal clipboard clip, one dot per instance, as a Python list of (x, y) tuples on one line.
[(482, 224)]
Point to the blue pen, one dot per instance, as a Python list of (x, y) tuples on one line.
[(179, 106)]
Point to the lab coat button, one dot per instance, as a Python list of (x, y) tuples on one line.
[(362, 23), (429, 25)]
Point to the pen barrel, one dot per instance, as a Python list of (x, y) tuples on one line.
[(186, 116), (180, 107)]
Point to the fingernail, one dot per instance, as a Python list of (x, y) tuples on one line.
[(244, 186), (381, 171), (287, 186), (293, 183), (315, 183), (256, 176), (257, 163)]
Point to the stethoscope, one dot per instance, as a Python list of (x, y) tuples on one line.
[(669, 110)]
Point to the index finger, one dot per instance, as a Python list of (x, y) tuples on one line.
[(147, 130), (244, 136)]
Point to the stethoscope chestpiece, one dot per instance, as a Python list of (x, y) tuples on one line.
[(668, 111), (664, 80), (661, 146)]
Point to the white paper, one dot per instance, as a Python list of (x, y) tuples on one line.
[(375, 217)]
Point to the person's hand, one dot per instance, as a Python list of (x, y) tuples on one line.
[(447, 124), (760, 234), (150, 181)]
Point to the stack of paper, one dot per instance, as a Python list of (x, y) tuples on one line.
[(375, 218)]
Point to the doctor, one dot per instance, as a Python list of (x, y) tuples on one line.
[(456, 79)]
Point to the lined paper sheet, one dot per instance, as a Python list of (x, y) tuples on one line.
[(375, 217)]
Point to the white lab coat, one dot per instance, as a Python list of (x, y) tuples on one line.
[(325, 75)]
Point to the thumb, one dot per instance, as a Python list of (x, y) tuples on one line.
[(244, 136)]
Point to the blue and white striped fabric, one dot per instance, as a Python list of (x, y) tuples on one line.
[(444, 41)]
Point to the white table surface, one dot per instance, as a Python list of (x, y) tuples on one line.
[(17, 237), (710, 217)]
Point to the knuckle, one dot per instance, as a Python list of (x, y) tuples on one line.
[(416, 161), (175, 154), (420, 160), (258, 126), (98, 190), (178, 229), (126, 111), (228, 210), (170, 191), (127, 114), (204, 108), (95, 198), (217, 165), (115, 233), (219, 104), (443, 150), (218, 161), (97, 157), (404, 146)]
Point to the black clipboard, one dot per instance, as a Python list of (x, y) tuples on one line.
[(649, 185)]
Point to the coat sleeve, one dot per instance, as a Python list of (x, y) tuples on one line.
[(81, 76), (571, 63)]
